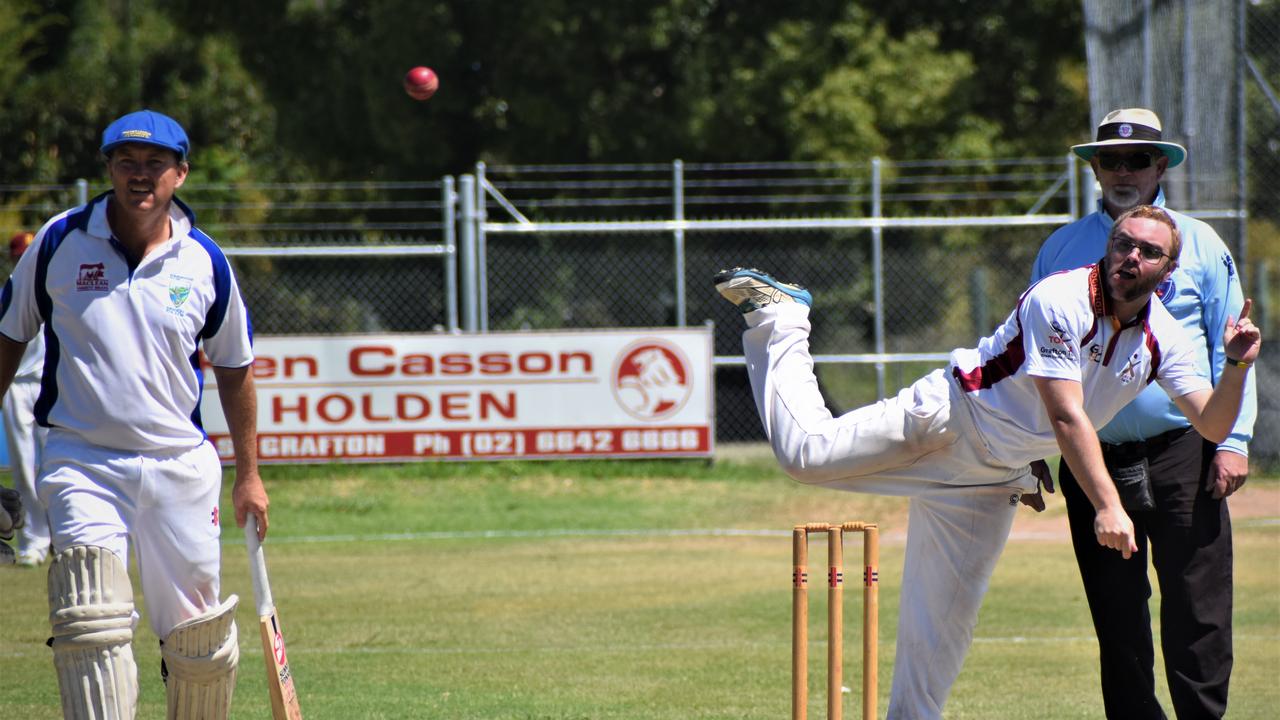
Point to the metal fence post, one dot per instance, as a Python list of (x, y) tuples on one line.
[(1263, 311), (1148, 88), (1242, 133), (1089, 194), (1073, 188), (482, 261), (877, 265), (1189, 102), (448, 200), (82, 192), (677, 202), (467, 221)]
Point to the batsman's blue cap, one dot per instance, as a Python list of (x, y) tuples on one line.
[(149, 128)]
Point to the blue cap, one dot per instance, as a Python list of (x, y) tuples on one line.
[(149, 128)]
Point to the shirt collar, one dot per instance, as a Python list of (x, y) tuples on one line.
[(1100, 300), (181, 218)]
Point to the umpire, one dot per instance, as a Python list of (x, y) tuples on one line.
[(1173, 482)]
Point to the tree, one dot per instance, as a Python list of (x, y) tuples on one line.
[(287, 90)]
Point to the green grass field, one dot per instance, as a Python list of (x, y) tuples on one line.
[(610, 590)]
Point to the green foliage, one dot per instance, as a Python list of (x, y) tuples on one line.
[(81, 67), (303, 91)]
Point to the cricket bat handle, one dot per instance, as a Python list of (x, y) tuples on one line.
[(258, 568)]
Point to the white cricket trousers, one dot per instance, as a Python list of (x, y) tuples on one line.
[(919, 444), (165, 503), (25, 439)]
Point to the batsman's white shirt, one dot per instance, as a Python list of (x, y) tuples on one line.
[(1063, 328), (122, 367), (126, 458)]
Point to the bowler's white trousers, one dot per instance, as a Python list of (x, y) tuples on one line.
[(165, 503), (920, 444), (25, 439)]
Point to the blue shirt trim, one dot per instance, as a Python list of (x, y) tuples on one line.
[(52, 241)]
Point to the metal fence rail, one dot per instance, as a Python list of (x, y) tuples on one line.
[(907, 260)]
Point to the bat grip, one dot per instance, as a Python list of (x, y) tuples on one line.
[(258, 568)]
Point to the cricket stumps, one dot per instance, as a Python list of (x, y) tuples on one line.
[(835, 616)]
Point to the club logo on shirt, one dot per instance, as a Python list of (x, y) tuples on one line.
[(1059, 336), (1165, 289), (92, 278), (1059, 343), (1131, 368), (1095, 352), (1231, 266), (179, 291)]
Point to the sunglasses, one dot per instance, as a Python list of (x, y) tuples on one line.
[(1150, 254), (1134, 161)]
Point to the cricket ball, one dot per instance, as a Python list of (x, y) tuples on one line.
[(421, 83)]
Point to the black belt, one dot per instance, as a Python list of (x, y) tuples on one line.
[(1148, 446)]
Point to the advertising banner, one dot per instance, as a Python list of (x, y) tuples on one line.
[(600, 393)]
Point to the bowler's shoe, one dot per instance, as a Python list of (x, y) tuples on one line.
[(751, 289)]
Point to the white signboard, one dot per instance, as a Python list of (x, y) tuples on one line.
[(607, 393)]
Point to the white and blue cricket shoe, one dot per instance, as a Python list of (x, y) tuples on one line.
[(751, 289)]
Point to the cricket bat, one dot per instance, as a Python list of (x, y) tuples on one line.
[(284, 696)]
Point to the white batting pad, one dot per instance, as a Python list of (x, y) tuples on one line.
[(91, 612), (201, 655)]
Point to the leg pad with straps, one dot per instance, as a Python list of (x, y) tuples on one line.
[(200, 657), (91, 614)]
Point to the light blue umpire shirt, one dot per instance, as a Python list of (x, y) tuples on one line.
[(1200, 294)]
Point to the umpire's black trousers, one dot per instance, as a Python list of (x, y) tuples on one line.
[(1189, 534)]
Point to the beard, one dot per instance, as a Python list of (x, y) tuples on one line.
[(1123, 197), (1136, 288)]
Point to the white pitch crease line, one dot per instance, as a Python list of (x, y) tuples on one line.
[(893, 537), (517, 534), (251, 648)]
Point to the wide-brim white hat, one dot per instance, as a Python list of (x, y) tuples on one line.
[(1131, 126)]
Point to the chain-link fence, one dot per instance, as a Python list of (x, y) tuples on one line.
[(316, 258), (1262, 113), (906, 260)]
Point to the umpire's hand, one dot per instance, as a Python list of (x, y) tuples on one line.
[(1044, 483)]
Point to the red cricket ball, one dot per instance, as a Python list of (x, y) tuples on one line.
[(421, 83)]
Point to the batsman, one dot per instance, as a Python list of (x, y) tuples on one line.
[(128, 292), (1077, 348)]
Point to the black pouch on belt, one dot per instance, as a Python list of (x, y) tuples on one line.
[(1127, 465)]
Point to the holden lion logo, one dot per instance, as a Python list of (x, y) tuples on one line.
[(651, 380)]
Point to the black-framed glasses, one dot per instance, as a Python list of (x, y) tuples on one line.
[(1149, 253), (1134, 161)]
